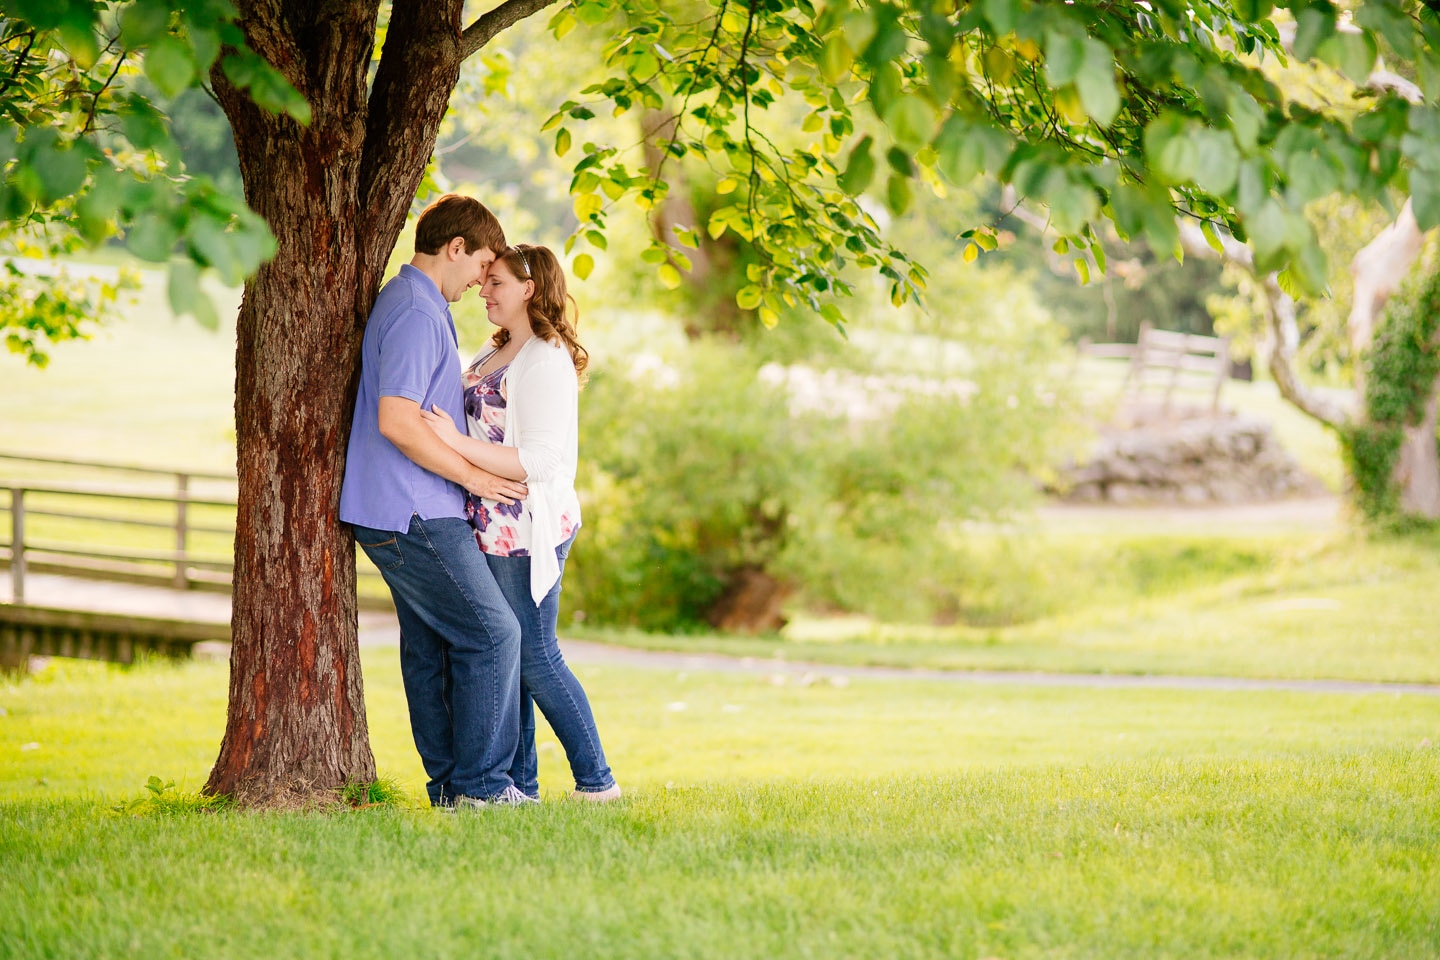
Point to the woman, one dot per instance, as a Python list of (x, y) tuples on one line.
[(521, 401)]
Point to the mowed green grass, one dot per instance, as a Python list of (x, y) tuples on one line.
[(877, 818)]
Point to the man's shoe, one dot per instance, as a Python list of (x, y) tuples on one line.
[(599, 796), (512, 796)]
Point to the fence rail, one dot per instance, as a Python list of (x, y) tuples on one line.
[(181, 566)]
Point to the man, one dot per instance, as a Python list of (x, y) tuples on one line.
[(404, 495)]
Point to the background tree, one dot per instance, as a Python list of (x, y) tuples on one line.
[(1098, 111)]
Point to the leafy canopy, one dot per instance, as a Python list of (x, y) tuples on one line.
[(87, 153), (1127, 112)]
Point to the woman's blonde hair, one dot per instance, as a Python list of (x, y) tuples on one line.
[(552, 310)]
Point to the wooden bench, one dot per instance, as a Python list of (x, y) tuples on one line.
[(1166, 360), (1163, 361)]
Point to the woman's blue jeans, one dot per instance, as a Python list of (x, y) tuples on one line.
[(546, 680)]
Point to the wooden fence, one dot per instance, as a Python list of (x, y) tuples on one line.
[(183, 504)]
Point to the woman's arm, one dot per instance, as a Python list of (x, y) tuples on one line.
[(494, 457)]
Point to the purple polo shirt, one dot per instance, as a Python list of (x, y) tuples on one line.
[(410, 351)]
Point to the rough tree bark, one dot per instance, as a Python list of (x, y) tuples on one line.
[(336, 194)]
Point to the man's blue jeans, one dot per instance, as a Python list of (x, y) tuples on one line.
[(546, 680), (459, 654)]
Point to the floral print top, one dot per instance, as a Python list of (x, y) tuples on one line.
[(501, 529)]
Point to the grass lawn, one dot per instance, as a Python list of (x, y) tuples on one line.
[(874, 818)]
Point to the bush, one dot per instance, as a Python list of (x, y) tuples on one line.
[(688, 475), (697, 474)]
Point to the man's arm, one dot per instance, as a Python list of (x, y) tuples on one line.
[(401, 424)]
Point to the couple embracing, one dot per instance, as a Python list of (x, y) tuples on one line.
[(460, 487)]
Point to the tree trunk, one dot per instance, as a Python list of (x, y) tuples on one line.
[(1417, 471), (335, 194)]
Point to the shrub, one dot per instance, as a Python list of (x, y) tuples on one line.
[(697, 474)]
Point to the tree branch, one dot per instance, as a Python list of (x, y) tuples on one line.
[(1280, 310), (484, 29)]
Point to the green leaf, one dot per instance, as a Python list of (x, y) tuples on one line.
[(210, 246), (897, 194), (718, 223), (1353, 54), (185, 294), (62, 171), (562, 23), (169, 66), (587, 206), (142, 22), (1218, 162), (885, 87), (670, 277), (1312, 267), (1389, 19), (1096, 83), (143, 125), (1071, 204), (1425, 197), (78, 38), (99, 204), (859, 29), (911, 120), (1064, 56), (1212, 239), (748, 297), (204, 46), (1266, 228), (859, 169), (889, 41), (1169, 148), (562, 142), (1310, 176), (594, 12), (963, 149), (644, 65), (1082, 270), (1254, 10), (151, 237), (583, 265), (1002, 14), (836, 58), (1313, 26), (1246, 118)]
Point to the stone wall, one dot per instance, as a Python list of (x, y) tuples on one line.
[(1200, 460)]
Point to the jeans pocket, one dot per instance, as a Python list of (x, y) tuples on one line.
[(385, 555)]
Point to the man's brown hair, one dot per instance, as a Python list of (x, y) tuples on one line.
[(454, 216)]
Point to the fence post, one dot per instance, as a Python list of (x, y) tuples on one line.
[(17, 544), (182, 495)]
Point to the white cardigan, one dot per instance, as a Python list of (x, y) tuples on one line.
[(542, 421)]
